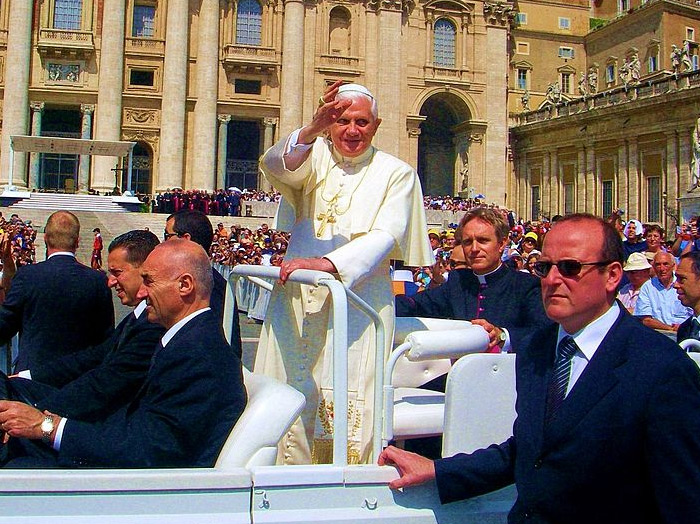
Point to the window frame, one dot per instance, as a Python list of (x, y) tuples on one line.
[(445, 63)]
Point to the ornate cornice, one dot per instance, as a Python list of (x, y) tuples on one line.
[(405, 6)]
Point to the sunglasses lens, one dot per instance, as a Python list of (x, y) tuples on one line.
[(541, 269), (569, 268)]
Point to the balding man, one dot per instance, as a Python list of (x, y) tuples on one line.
[(353, 208), (58, 306), (658, 305), (192, 396), (608, 425)]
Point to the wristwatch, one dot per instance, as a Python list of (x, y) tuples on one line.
[(502, 338), (47, 427)]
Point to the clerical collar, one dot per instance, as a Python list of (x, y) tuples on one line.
[(347, 161), (482, 278)]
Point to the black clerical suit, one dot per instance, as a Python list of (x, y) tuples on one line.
[(92, 383), (624, 447), (510, 299), (191, 399), (688, 329), (58, 307)]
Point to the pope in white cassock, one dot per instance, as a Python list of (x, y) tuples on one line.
[(353, 209)]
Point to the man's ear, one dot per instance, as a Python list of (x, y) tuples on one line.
[(614, 276), (186, 284)]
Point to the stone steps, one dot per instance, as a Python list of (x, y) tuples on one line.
[(58, 201)]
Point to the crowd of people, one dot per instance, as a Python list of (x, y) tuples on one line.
[(241, 245), (223, 202)]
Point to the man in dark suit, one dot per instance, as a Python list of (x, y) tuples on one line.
[(192, 396), (57, 306), (608, 426), (92, 383), (687, 286), (196, 226), (507, 303)]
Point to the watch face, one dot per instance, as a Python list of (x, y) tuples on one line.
[(47, 425)]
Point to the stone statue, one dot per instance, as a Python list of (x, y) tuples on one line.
[(525, 101), (583, 85), (553, 93), (695, 159), (686, 61), (630, 70), (592, 79), (464, 171), (676, 55)]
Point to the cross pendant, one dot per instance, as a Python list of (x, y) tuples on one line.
[(326, 218)]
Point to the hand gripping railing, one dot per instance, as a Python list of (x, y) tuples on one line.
[(339, 298)]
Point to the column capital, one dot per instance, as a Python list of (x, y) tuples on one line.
[(223, 119), (499, 13), (36, 106), (87, 109), (269, 122)]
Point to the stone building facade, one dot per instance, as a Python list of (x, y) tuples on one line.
[(204, 86), (628, 138)]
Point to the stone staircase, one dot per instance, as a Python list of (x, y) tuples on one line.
[(56, 201)]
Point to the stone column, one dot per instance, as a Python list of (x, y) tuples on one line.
[(204, 169), (371, 55), (546, 185), (86, 133), (35, 158), (388, 92), (580, 182), (633, 187), (591, 182), (221, 151), (465, 44), (108, 113), (556, 205), (622, 178), (268, 142), (685, 152), (15, 115), (497, 104), (672, 175), (172, 132), (292, 82)]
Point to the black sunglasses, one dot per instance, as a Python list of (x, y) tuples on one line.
[(567, 268), (167, 236)]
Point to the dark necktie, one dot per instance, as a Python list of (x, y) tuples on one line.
[(560, 376), (158, 349)]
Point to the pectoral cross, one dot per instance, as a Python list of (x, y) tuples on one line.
[(328, 217)]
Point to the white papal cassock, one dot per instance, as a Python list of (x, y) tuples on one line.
[(377, 212)]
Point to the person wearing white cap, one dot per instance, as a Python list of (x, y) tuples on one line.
[(637, 270), (350, 209)]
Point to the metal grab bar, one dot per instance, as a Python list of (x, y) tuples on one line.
[(339, 299)]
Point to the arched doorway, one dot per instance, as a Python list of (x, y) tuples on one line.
[(443, 145), (141, 169)]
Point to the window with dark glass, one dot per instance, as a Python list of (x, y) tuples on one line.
[(249, 23), (444, 45), (141, 77), (247, 87), (143, 25), (67, 14)]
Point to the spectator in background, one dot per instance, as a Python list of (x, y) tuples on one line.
[(637, 269), (654, 236), (633, 233), (97, 246), (688, 287), (658, 304)]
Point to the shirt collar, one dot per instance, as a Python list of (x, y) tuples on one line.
[(169, 334), (140, 308), (355, 160), (57, 253), (482, 278), (589, 338)]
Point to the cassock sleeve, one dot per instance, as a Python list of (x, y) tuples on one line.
[(359, 257)]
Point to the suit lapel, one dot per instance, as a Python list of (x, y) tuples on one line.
[(599, 377)]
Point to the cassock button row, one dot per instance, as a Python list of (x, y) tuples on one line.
[(538, 463), (302, 367)]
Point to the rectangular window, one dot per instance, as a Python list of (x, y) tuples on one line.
[(143, 25), (653, 62), (568, 199), (690, 34), (607, 198), (653, 199), (141, 77), (566, 52), (67, 14), (521, 18), (623, 6), (566, 83), (522, 48), (522, 79), (247, 87), (564, 23), (695, 62), (535, 193), (610, 73)]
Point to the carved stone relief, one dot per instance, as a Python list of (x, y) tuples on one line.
[(141, 117)]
